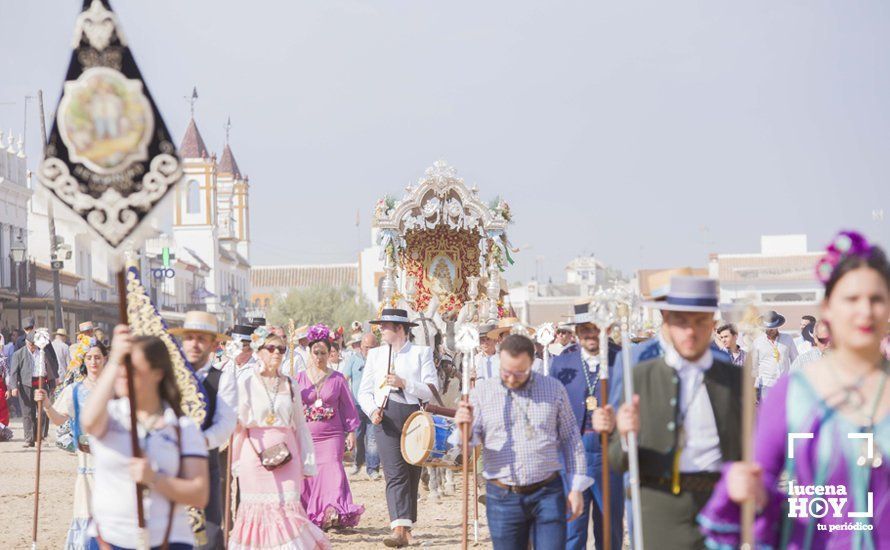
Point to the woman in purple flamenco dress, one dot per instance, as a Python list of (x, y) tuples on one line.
[(844, 403), (330, 415)]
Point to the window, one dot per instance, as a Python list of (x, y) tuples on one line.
[(193, 198)]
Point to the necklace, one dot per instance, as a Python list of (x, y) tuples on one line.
[(270, 418), (591, 402), (318, 385), (870, 454)]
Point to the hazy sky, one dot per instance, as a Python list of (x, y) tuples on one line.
[(648, 133)]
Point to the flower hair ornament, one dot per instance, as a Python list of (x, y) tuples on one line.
[(318, 332), (259, 337), (844, 245)]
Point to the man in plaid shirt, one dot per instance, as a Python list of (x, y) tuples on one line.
[(527, 430)]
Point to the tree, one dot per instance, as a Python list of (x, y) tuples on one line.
[(334, 307)]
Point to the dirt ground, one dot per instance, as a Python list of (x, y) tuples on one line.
[(438, 523)]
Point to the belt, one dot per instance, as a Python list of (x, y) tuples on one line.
[(698, 482), (525, 489)]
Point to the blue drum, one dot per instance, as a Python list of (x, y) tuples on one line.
[(425, 440)]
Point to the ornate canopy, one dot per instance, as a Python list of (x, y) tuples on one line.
[(443, 239)]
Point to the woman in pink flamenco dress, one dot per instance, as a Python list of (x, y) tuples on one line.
[(270, 515), (330, 415)]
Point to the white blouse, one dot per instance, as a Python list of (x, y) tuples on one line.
[(254, 409)]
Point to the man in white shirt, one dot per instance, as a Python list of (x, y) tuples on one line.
[(487, 362), (200, 340), (804, 342), (389, 395), (772, 353)]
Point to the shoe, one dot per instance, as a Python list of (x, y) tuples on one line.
[(374, 475), (481, 500), (354, 470), (29, 444), (398, 538)]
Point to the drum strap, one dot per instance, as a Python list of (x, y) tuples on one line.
[(436, 394)]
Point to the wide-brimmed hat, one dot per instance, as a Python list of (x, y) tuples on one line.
[(201, 322), (356, 338), (86, 326), (485, 330), (301, 332), (504, 326), (393, 316), (696, 294), (28, 322), (256, 321), (61, 332), (659, 282), (581, 313), (242, 332), (772, 319)]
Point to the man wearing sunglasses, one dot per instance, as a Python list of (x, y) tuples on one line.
[(821, 336), (200, 340)]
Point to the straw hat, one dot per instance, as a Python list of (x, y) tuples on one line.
[(86, 326), (61, 332), (200, 322)]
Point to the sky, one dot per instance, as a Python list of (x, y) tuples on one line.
[(648, 133)]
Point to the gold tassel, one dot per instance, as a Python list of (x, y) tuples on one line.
[(675, 473)]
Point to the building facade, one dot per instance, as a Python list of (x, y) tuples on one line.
[(272, 282)]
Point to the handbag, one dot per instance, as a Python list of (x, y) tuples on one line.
[(277, 455)]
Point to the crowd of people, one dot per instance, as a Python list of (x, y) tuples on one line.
[(280, 419)]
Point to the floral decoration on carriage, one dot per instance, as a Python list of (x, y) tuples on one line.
[(442, 244)]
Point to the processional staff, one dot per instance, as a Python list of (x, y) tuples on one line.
[(603, 316), (467, 342), (41, 340), (633, 460)]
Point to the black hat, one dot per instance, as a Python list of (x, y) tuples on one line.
[(394, 316), (242, 332), (772, 319), (257, 321)]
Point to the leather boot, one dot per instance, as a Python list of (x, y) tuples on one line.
[(398, 538)]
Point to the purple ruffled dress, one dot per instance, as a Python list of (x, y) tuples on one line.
[(829, 460), (326, 495)]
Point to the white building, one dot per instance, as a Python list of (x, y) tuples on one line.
[(780, 277), (14, 196), (211, 226), (536, 302)]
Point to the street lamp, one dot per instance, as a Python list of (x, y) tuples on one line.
[(17, 252)]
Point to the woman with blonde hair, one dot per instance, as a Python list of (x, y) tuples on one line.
[(272, 452)]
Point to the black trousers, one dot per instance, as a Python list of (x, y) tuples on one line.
[(29, 414), (402, 479), (214, 509)]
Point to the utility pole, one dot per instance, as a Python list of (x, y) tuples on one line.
[(54, 263)]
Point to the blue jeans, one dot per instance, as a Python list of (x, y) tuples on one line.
[(366, 445), (576, 534), (514, 519)]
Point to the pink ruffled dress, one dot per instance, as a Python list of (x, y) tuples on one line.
[(270, 515)]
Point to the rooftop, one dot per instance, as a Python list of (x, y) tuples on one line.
[(299, 276), (192, 143), (227, 164)]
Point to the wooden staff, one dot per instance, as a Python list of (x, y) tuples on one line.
[(748, 397), (475, 499), (39, 438), (227, 515), (465, 440), (604, 437), (131, 399)]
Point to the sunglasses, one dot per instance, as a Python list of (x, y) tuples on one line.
[(273, 349), (823, 340)]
